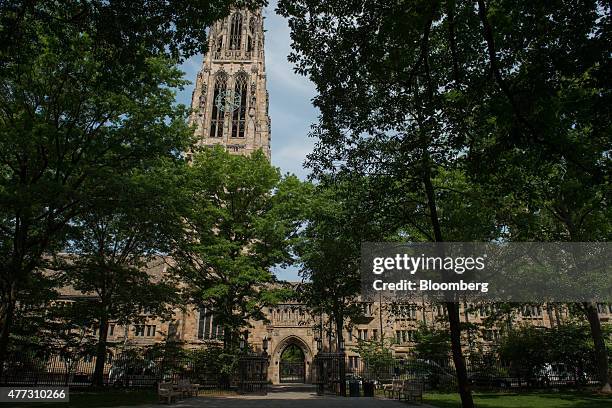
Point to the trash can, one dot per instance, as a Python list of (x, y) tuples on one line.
[(354, 389), (368, 389)]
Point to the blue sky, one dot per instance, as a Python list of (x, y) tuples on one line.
[(290, 102)]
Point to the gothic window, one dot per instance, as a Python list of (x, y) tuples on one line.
[(405, 312), (533, 311), (139, 330), (218, 112), (404, 336), (367, 309), (239, 113), (251, 35), (236, 31), (440, 310), (362, 334), (219, 47), (207, 329), (601, 308)]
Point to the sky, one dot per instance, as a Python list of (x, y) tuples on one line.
[(290, 103)]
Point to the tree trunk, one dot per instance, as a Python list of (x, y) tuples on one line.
[(340, 348), (454, 321), (98, 375), (455, 333), (7, 311), (601, 354), (227, 338), (466, 316)]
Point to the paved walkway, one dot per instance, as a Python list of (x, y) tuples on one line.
[(286, 396)]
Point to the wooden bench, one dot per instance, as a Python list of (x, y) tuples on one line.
[(187, 389), (393, 389), (411, 390), (166, 392)]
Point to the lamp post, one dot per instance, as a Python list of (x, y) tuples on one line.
[(317, 336), (342, 366), (264, 345), (318, 362), (242, 366), (243, 340), (264, 363)]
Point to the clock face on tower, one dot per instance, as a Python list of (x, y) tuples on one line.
[(227, 101)]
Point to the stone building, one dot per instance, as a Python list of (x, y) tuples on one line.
[(230, 103), (292, 326), (230, 99)]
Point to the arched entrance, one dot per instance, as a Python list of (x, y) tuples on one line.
[(290, 361), (292, 367)]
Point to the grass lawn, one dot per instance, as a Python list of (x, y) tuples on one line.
[(523, 400), (108, 398)]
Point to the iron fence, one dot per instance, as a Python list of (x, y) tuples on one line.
[(327, 371), (486, 373), (23, 369)]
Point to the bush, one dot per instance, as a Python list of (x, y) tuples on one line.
[(432, 343), (529, 349), (213, 363), (377, 357)]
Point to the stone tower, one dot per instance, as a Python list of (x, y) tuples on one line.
[(230, 99)]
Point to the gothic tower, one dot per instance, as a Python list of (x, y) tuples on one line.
[(230, 99)]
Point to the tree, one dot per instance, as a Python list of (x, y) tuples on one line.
[(214, 362), (525, 349), (68, 333), (544, 133), (114, 246), (383, 81), (131, 29), (571, 345), (329, 251), (524, 82), (377, 357), (82, 82), (240, 220), (431, 343), (329, 266)]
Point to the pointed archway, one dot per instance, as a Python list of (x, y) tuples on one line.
[(291, 361), (292, 365)]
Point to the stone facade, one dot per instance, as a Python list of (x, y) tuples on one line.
[(230, 99), (292, 324)]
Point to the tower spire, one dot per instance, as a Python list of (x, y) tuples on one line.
[(230, 99)]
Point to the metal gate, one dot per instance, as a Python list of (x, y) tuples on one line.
[(328, 369), (292, 372), (253, 373)]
